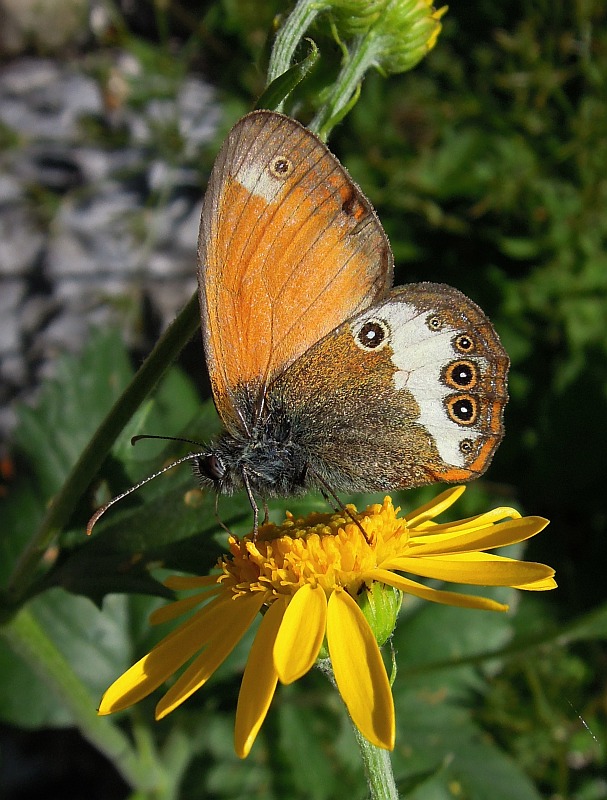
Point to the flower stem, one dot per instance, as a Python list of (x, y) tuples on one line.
[(363, 55), (376, 760), (378, 769), (83, 471), (26, 637), (289, 36)]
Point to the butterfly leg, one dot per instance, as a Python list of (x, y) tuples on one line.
[(327, 491), (330, 501), (218, 518), (254, 505), (266, 513)]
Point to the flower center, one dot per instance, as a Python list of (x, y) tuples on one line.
[(326, 550)]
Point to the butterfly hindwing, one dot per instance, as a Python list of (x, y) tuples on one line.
[(408, 392)]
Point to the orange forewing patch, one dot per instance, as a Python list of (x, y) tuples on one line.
[(275, 300), (281, 263)]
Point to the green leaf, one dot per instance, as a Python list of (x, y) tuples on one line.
[(302, 747), (519, 247), (21, 511), (432, 634), (51, 435), (96, 645), (586, 628), (70, 406), (165, 524), (165, 532), (281, 87), (445, 754)]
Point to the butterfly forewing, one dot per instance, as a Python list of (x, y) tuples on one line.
[(289, 248)]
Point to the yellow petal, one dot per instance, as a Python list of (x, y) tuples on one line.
[(430, 529), (435, 507), (206, 622), (178, 607), (258, 682), (360, 673), (239, 613), (477, 569), (485, 537), (166, 658), (538, 586), (478, 520), (436, 595), (301, 633), (181, 582)]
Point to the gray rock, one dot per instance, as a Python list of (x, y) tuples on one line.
[(86, 230)]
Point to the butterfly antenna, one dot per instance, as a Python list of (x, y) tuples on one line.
[(100, 511), (139, 437)]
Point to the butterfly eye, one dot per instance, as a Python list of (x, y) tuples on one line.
[(435, 322), (372, 335), (466, 446), (281, 167), (352, 205), (462, 409), (210, 467), (461, 374), (463, 343)]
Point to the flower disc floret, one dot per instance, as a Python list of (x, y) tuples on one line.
[(326, 550)]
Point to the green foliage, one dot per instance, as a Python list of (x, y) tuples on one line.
[(93, 643), (164, 527)]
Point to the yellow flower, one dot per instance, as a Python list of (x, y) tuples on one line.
[(307, 576)]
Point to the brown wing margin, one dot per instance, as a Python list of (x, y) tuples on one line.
[(289, 248)]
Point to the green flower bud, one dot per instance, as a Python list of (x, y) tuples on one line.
[(380, 604), (356, 17), (407, 30)]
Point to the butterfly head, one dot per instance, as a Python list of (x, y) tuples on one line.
[(267, 462)]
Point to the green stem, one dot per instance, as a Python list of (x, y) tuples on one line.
[(164, 353), (363, 56), (289, 36), (376, 760), (378, 769), (26, 638)]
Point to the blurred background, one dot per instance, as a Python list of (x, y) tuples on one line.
[(487, 165)]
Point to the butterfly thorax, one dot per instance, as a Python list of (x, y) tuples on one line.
[(269, 458)]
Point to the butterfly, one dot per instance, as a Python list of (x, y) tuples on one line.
[(323, 375)]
